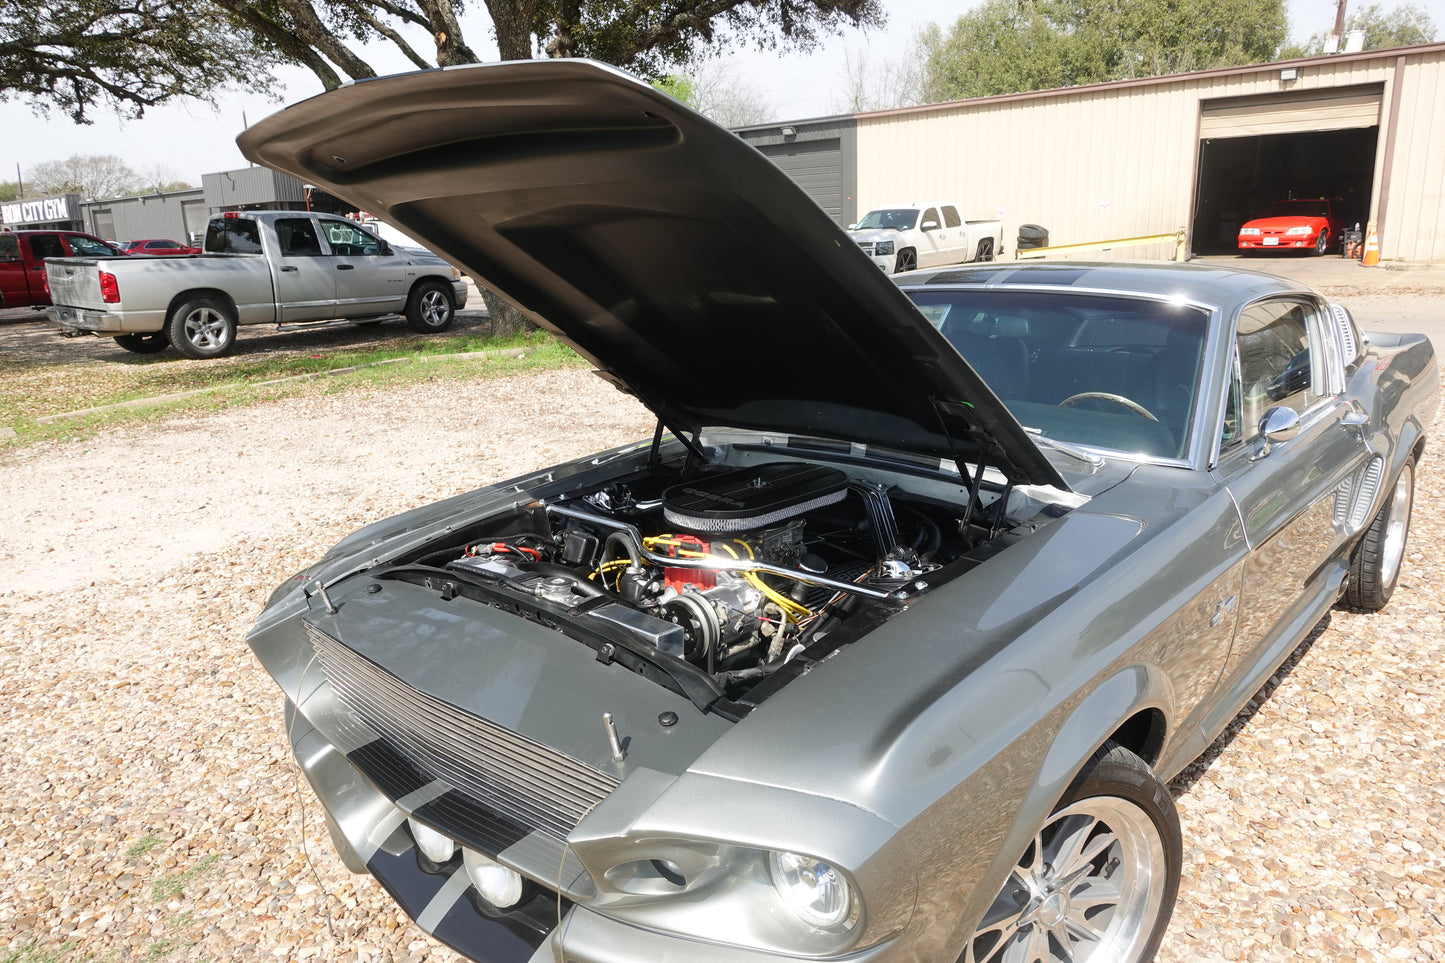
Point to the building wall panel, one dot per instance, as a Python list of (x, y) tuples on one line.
[(1118, 160)]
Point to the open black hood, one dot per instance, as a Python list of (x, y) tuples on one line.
[(675, 257)]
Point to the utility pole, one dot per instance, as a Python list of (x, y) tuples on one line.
[(1332, 45)]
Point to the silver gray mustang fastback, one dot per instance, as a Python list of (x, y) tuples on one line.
[(883, 646)]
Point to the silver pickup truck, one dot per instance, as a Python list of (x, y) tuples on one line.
[(259, 267)]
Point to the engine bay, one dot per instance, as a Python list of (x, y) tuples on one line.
[(735, 579)]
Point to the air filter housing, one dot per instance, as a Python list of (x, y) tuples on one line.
[(751, 498)]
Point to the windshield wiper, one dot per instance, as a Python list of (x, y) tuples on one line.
[(1073, 451)]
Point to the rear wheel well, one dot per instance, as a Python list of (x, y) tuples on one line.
[(216, 293), (1143, 734)]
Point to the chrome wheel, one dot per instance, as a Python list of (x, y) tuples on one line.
[(435, 309), (1089, 888), (1398, 527), (207, 329), (202, 327), (429, 309)]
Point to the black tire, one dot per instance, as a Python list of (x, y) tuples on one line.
[(1322, 243), (430, 310), (1376, 561), (152, 342), (202, 327), (907, 261), (985, 250), (1121, 817)]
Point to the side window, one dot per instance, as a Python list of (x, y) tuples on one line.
[(349, 240), (950, 216), (9, 247), (46, 245), (89, 247), (930, 215), (1276, 363), (232, 235), (297, 237)]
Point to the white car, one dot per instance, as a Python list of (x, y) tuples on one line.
[(902, 237)]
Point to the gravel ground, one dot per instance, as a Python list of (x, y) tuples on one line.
[(149, 808)]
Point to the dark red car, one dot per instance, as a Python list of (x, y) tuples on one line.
[(158, 246), (22, 262), (1292, 225)]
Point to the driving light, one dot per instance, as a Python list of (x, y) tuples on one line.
[(496, 883), (817, 893), (883, 247), (433, 845), (1296, 231)]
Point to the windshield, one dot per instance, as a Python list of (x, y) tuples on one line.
[(1110, 372), (1298, 209), (896, 219)]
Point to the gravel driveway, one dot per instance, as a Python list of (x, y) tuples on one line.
[(149, 808)]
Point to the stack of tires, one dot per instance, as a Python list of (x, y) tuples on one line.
[(1032, 236)]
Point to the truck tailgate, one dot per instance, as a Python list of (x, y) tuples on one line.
[(75, 282)]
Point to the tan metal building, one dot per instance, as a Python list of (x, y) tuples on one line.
[(1204, 151)]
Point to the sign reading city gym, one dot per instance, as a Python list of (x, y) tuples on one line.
[(39, 211)]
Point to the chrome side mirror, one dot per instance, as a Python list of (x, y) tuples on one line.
[(1278, 424)]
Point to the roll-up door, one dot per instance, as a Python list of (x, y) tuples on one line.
[(1339, 108), (817, 166)]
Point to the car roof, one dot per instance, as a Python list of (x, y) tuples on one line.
[(1207, 284)]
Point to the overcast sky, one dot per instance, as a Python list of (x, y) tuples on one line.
[(194, 139)]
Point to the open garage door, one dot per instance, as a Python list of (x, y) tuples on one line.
[(817, 166), (1258, 150)]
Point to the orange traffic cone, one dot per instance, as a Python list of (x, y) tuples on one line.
[(1372, 248)]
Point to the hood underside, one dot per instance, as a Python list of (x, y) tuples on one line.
[(680, 261)]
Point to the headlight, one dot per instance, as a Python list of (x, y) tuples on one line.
[(1297, 231), (815, 892), (883, 247), (1250, 231)]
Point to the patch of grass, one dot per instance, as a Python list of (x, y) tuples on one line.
[(143, 845), (170, 887), (37, 954), (232, 382)]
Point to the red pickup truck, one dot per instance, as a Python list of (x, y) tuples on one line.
[(22, 262)]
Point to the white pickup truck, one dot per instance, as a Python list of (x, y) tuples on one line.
[(902, 237), (258, 267)]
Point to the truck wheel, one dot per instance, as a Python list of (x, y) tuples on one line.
[(202, 328), (985, 250), (430, 309), (152, 342), (907, 261)]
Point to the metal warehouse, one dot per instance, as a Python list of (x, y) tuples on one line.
[(1201, 151)]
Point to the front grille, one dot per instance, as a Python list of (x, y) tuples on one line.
[(524, 781)]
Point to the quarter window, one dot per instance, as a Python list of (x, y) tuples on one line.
[(950, 216)]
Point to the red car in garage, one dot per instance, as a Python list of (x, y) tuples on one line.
[(1292, 225)]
